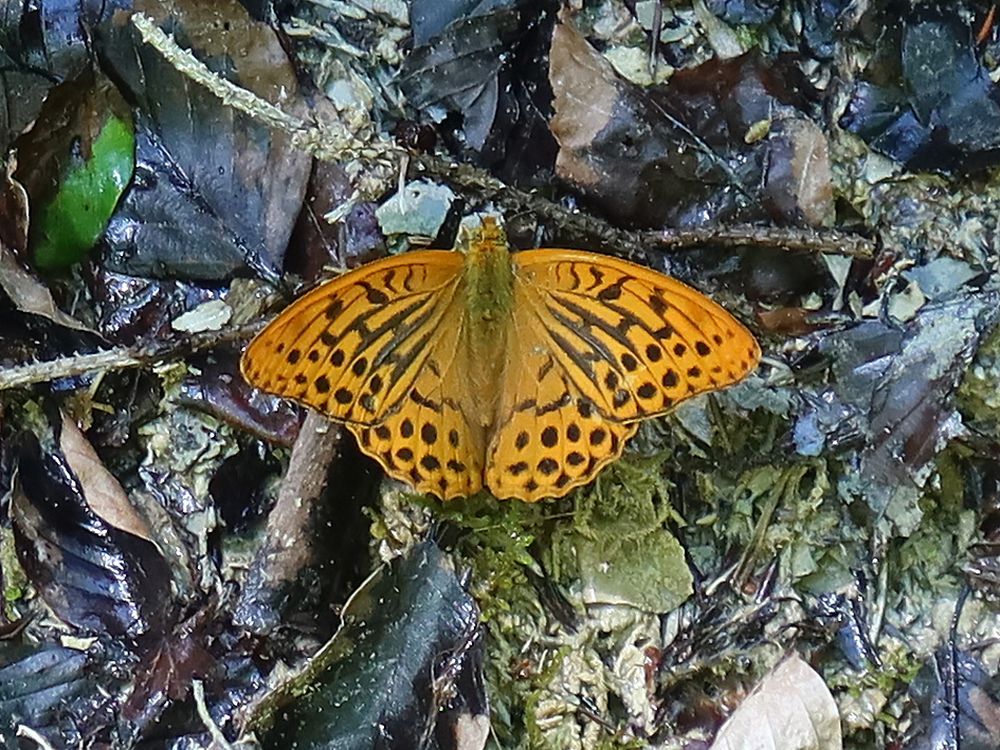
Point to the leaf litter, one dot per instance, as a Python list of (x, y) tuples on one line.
[(821, 537)]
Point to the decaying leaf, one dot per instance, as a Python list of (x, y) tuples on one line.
[(26, 292), (216, 191), (959, 703), (104, 493), (404, 670), (791, 708), (99, 578)]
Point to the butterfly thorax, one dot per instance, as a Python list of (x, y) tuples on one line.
[(488, 282)]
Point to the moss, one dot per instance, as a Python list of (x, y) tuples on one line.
[(618, 549), (979, 393), (542, 663), (15, 582)]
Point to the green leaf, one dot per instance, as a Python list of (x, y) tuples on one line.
[(69, 224)]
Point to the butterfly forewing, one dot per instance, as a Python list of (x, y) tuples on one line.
[(634, 341), (352, 347), (382, 350)]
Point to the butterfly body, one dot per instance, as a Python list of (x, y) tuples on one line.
[(523, 373), (487, 288)]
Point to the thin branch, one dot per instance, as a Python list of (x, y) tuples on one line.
[(781, 238), (288, 548), (119, 358), (23, 730), (218, 738)]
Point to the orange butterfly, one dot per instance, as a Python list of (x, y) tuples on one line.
[(523, 373)]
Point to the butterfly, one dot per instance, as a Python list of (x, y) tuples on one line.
[(523, 373)]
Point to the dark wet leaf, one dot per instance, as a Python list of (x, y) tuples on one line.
[(481, 63), (972, 722), (317, 243), (894, 394), (215, 191), (135, 309), (613, 145), (845, 614), (825, 22), (93, 575), (945, 113), (219, 390), (403, 672), (168, 670), (54, 691), (798, 184), (676, 153), (41, 45), (743, 11), (457, 68)]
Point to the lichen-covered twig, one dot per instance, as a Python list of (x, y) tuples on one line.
[(784, 238), (73, 365), (119, 358)]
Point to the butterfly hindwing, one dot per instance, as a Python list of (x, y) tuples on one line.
[(433, 438)]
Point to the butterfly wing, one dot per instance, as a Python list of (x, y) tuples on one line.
[(352, 347), (378, 349), (597, 344), (431, 440)]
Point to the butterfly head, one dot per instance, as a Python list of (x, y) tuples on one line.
[(488, 274), (479, 237)]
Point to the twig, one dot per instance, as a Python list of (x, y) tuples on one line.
[(782, 238), (119, 358), (230, 94), (24, 730), (334, 142), (287, 550), (218, 738)]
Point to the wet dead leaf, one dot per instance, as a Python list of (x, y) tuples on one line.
[(799, 184), (216, 191), (27, 293)]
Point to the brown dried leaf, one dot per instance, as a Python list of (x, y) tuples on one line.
[(615, 145), (799, 183), (103, 492), (27, 293)]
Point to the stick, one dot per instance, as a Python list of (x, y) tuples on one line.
[(119, 358)]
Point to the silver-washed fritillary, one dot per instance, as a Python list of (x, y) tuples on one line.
[(522, 373)]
